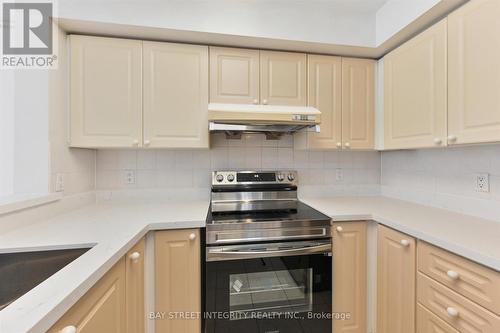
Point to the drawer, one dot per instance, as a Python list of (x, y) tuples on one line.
[(476, 282), (427, 322), (442, 301)]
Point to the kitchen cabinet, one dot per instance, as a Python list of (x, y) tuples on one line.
[(324, 78), (177, 279), (474, 73), (175, 95), (415, 91), (106, 92), (350, 276), (395, 281), (134, 284), (283, 78), (358, 103), (429, 322), (102, 309), (234, 75)]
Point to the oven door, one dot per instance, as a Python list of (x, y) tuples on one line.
[(269, 288)]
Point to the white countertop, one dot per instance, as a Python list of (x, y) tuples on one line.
[(473, 238), (111, 228)]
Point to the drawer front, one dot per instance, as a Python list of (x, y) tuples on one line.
[(427, 322), (459, 312), (476, 282)]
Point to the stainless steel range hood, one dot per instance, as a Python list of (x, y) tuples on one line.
[(273, 120)]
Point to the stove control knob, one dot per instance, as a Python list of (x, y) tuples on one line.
[(291, 177), (281, 177), (219, 178), (230, 177)]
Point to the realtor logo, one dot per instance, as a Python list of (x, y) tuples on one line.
[(29, 29)]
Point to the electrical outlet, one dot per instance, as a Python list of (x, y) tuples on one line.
[(130, 177), (59, 182), (482, 182), (339, 175)]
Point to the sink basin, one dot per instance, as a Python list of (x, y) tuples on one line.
[(23, 271)]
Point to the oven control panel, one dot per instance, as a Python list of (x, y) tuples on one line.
[(254, 177)]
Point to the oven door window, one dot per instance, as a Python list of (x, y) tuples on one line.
[(280, 291)]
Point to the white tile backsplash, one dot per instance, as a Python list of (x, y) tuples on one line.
[(444, 178), (159, 168)]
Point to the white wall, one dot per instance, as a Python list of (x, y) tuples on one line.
[(445, 178), (6, 132), (192, 168)]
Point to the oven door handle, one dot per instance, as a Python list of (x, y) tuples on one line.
[(222, 254)]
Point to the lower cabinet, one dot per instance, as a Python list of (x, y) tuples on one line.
[(349, 276), (177, 281), (115, 304), (395, 282)]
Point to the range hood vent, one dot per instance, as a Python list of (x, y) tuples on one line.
[(272, 120)]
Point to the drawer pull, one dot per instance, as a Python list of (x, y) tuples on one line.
[(134, 256), (192, 237), (69, 329), (452, 312), (452, 275), (340, 229), (405, 242)]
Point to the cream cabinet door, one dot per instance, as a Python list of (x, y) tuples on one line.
[(106, 92), (415, 91), (102, 308), (358, 103), (395, 282), (175, 95), (134, 278), (324, 91), (283, 78), (474, 73), (349, 276), (177, 279), (234, 75)]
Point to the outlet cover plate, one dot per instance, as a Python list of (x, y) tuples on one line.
[(482, 182)]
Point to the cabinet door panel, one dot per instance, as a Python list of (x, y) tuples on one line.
[(283, 78), (134, 277), (474, 72), (234, 75), (358, 103), (102, 308), (324, 77), (175, 95), (349, 276), (395, 282), (177, 279), (106, 92), (415, 91)]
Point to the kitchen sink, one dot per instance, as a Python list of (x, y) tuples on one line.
[(22, 271)]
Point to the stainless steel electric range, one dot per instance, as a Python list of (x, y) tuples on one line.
[(268, 263)]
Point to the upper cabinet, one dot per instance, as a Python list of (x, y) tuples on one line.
[(358, 103), (415, 91), (283, 78), (175, 95), (474, 73), (324, 85), (106, 92), (234, 75)]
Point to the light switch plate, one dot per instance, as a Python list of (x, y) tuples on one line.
[(482, 182), (130, 177)]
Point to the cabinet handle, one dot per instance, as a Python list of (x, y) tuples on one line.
[(452, 312), (405, 242), (134, 256), (340, 229), (192, 237), (69, 329), (452, 275), (135, 142), (255, 101), (438, 141), (147, 142), (347, 145), (452, 138), (339, 144), (264, 101)]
